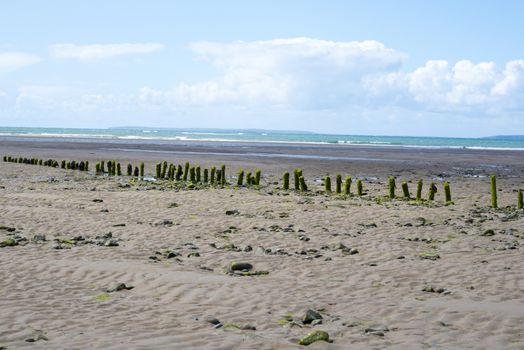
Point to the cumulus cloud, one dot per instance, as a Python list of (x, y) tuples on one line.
[(11, 61), (283, 72), (100, 51), (362, 85)]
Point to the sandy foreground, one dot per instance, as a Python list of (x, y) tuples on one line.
[(382, 274)]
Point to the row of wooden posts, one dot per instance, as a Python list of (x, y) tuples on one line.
[(218, 176), (64, 164)]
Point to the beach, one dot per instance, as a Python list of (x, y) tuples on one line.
[(375, 272)]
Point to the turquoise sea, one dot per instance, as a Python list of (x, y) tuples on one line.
[(146, 133)]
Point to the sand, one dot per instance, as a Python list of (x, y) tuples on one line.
[(357, 261)]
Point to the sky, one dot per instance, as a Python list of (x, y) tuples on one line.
[(414, 68)]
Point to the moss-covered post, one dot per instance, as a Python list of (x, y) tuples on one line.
[(164, 170), (63, 165), (303, 186), (179, 172), (327, 184), (118, 169), (142, 169), (86, 168), (347, 185), (136, 172), (198, 173), (405, 189), (419, 190), (360, 189), (212, 175), (186, 171), (297, 175), (129, 170), (158, 170), (338, 185), (258, 174), (391, 187), (285, 181), (206, 175), (192, 176), (432, 191), (223, 172), (97, 168), (102, 167), (248, 178), (447, 192), (240, 177), (494, 191), (219, 176), (519, 200), (171, 172)]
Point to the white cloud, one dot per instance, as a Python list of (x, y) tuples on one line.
[(361, 87), (10, 61), (299, 73), (100, 51)]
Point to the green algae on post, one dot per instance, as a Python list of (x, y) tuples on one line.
[(347, 185), (118, 169), (519, 200), (297, 175), (327, 184), (223, 172), (198, 173), (258, 174), (303, 186), (240, 177), (285, 181), (494, 191), (432, 191), (158, 170), (338, 184), (206, 175), (186, 171), (136, 172), (405, 189), (447, 193), (192, 176), (142, 169), (419, 190), (391, 187), (360, 190), (248, 178), (212, 175), (179, 172)]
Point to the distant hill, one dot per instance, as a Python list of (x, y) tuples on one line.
[(506, 137)]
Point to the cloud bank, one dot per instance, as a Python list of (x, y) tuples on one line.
[(100, 51), (351, 87)]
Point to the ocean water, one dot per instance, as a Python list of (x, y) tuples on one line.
[(499, 142)]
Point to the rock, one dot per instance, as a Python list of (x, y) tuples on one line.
[(9, 242), (316, 322), (110, 243), (248, 248), (488, 233), (232, 212), (97, 200), (310, 316), (429, 256), (248, 327), (104, 211), (377, 329), (213, 320), (240, 266), (7, 228), (314, 336), (39, 238), (119, 287), (193, 254)]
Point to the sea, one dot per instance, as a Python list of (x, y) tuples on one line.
[(145, 134)]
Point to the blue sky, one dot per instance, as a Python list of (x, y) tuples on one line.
[(436, 68)]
